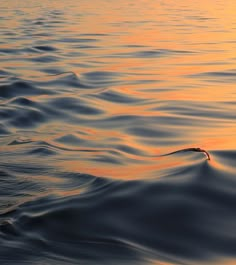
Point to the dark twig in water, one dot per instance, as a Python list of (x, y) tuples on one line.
[(189, 150)]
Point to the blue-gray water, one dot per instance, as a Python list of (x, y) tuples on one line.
[(91, 96)]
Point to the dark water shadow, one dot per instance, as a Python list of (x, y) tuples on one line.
[(188, 215)]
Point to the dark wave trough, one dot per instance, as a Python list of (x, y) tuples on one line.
[(186, 216)]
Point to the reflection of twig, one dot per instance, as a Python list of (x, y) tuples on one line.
[(189, 150)]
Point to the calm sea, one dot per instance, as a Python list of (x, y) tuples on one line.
[(93, 95)]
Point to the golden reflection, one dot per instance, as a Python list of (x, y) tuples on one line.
[(167, 55), (154, 262), (129, 172)]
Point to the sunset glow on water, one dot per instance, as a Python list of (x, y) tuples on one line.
[(94, 96)]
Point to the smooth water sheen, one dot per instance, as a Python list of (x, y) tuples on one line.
[(92, 94)]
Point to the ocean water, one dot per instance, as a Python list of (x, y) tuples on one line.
[(93, 95)]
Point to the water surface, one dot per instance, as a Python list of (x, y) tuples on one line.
[(92, 94)]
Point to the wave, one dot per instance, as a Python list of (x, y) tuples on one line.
[(186, 216)]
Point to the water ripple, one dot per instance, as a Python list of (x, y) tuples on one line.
[(92, 97), (106, 213)]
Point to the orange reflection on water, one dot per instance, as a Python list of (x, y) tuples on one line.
[(143, 170), (173, 66)]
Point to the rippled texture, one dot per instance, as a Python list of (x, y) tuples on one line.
[(92, 95)]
